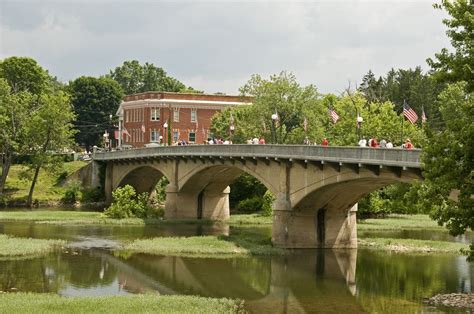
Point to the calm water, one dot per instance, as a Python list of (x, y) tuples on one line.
[(338, 281)]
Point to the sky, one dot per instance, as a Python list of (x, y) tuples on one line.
[(216, 46)]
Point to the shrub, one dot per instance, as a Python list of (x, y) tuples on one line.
[(92, 195), (128, 204), (72, 192), (245, 187), (268, 199), (161, 189), (250, 204), (3, 200)]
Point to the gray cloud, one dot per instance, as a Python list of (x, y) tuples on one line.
[(216, 46)]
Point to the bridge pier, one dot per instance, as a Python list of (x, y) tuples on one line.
[(324, 228), (208, 204)]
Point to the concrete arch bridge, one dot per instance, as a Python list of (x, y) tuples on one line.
[(316, 188)]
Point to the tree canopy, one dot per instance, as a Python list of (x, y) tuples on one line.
[(458, 65), (94, 100), (418, 89), (449, 162), (136, 78), (24, 75)]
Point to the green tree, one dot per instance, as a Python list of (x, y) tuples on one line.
[(50, 131), (283, 96), (22, 80), (137, 78), (14, 115), (24, 75), (94, 100), (458, 65), (418, 89), (449, 162), (380, 121)]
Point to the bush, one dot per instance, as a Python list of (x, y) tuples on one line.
[(128, 204), (161, 189), (92, 195), (3, 200), (245, 187), (253, 204), (72, 192), (268, 199)]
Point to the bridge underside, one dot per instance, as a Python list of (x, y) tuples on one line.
[(315, 202)]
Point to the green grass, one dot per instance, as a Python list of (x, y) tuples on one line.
[(250, 219), (148, 303), (206, 246), (23, 247), (412, 245), (46, 188), (398, 222), (85, 218)]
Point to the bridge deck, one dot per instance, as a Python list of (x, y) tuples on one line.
[(393, 157)]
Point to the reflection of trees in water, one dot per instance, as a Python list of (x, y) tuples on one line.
[(387, 281), (34, 275), (88, 270)]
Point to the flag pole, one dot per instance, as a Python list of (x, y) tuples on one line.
[(403, 118)]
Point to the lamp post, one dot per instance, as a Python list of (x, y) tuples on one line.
[(231, 127), (106, 139), (166, 132), (359, 124), (274, 120)]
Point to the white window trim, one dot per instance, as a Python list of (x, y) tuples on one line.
[(155, 114), (175, 117), (189, 136), (193, 115)]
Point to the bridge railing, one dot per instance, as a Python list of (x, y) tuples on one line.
[(344, 154)]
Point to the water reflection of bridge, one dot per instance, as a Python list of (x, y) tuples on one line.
[(268, 284)]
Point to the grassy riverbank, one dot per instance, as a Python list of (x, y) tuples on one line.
[(207, 246), (398, 222), (412, 245), (150, 303), (48, 187), (61, 217), (11, 247)]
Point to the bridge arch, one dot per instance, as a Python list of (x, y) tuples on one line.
[(202, 190), (142, 177)]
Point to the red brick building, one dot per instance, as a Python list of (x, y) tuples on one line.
[(144, 118)]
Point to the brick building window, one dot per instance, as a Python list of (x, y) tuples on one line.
[(155, 114), (127, 114), (192, 136), (176, 114), (193, 115), (154, 136), (175, 135)]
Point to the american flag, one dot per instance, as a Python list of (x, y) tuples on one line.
[(333, 115), (409, 113), (423, 115)]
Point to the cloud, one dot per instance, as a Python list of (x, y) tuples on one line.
[(216, 46)]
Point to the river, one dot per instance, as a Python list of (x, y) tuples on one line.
[(305, 281)]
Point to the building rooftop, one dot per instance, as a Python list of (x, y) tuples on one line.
[(187, 96)]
